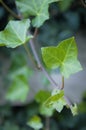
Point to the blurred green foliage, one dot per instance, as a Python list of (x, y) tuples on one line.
[(64, 22), (16, 117)]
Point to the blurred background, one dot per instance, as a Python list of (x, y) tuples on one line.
[(67, 18)]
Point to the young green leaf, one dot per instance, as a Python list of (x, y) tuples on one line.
[(35, 123), (37, 8), (60, 103), (56, 100), (63, 56), (15, 33)]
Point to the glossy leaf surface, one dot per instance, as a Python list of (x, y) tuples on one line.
[(63, 56), (15, 33)]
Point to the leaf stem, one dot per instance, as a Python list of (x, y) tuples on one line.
[(9, 10), (31, 42), (40, 66), (35, 32), (62, 87), (47, 123), (29, 55)]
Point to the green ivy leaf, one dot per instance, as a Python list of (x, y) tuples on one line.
[(74, 109), (42, 95), (15, 33), (37, 8), (35, 123), (63, 56), (19, 87), (56, 100)]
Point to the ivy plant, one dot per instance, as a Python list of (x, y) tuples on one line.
[(63, 57)]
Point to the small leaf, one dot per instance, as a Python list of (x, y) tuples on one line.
[(15, 33), (63, 56), (56, 101), (42, 95), (37, 8), (35, 123), (74, 109)]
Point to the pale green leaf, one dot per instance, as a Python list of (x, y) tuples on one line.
[(56, 100), (36, 8), (63, 56), (35, 122), (74, 109), (15, 33), (59, 105)]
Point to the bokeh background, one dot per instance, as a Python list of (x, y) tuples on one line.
[(67, 19)]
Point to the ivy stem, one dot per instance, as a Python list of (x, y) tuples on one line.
[(47, 123), (40, 66), (9, 10), (62, 87), (29, 55), (35, 32), (31, 42)]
